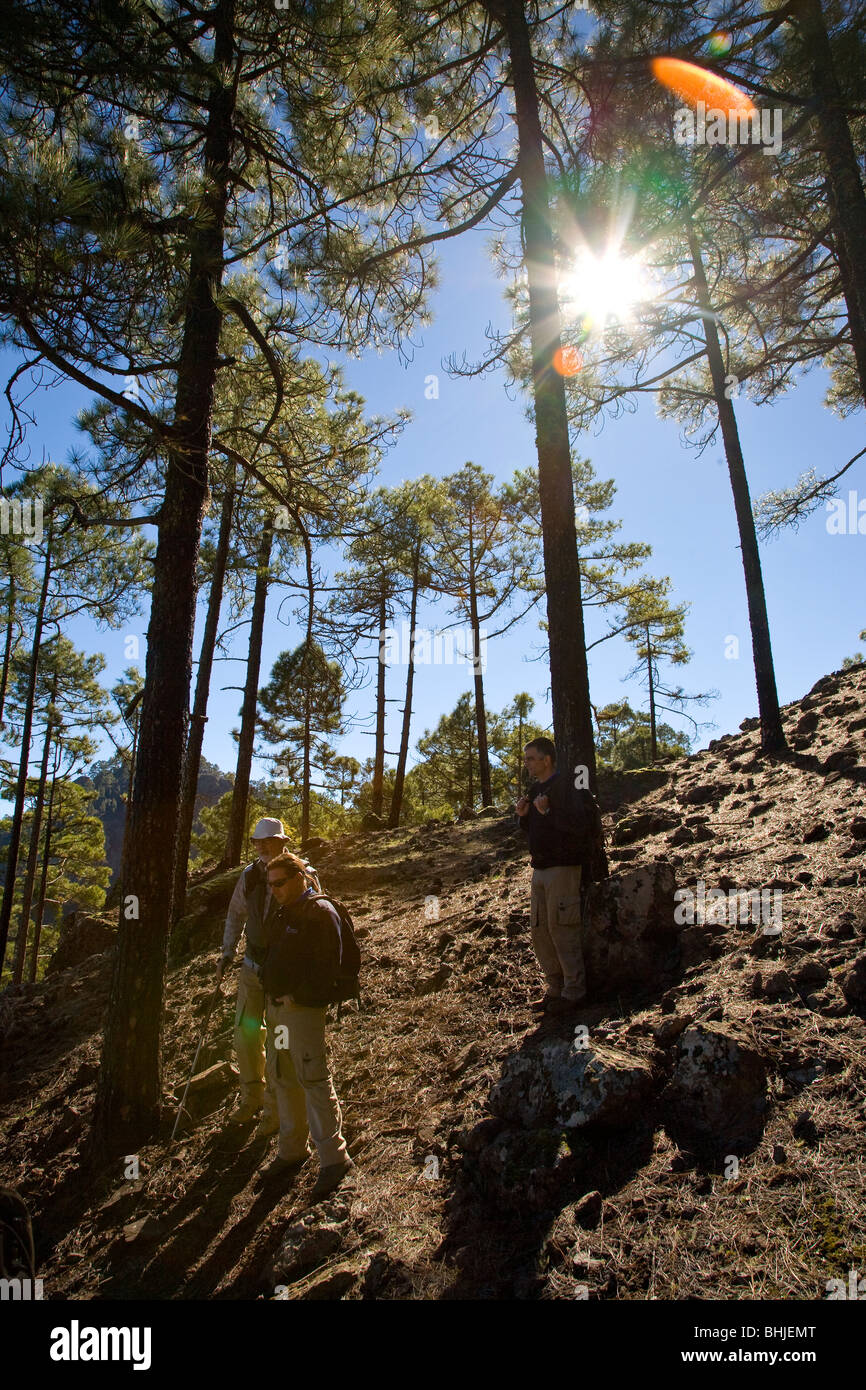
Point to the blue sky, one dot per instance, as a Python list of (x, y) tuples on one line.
[(666, 495)]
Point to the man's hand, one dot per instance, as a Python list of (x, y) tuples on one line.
[(522, 807), (222, 965), (542, 804)]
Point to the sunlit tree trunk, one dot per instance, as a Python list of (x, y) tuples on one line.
[(24, 760), (403, 755), (198, 718), (249, 709), (377, 789), (33, 849)]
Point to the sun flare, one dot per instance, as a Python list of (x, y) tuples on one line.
[(600, 288)]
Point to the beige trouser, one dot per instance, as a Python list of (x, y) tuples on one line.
[(250, 1042), (298, 1072), (556, 929)]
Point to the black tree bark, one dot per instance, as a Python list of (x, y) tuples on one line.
[(772, 733), (129, 1091), (569, 676), (844, 185)]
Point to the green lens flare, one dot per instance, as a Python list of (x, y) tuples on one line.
[(720, 43)]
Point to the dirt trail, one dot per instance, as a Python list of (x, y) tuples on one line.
[(428, 1215)]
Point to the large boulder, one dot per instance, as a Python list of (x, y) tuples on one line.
[(570, 1084), (629, 932), (81, 936), (854, 983), (705, 793), (717, 1095), (523, 1168), (637, 827)]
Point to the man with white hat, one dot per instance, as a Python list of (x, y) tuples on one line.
[(247, 911)]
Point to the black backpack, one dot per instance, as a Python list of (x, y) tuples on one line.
[(293, 966)]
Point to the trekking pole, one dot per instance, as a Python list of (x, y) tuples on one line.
[(213, 1000)]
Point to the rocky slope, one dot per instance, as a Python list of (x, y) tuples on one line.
[(694, 1132)]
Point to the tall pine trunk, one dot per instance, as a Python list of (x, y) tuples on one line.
[(403, 755), (130, 783), (470, 763), (129, 1091), (772, 733), (43, 878), (569, 679), (306, 778), (480, 712), (654, 747), (519, 753), (844, 185), (377, 797), (241, 790), (24, 760), (569, 673), (198, 718), (7, 646), (33, 848)]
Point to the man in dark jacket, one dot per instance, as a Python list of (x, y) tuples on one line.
[(559, 821), (302, 959)]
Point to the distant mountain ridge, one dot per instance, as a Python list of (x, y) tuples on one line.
[(109, 779)]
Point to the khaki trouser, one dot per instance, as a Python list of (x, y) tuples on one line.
[(556, 929), (250, 1042), (298, 1072)]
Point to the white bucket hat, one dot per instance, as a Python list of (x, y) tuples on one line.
[(268, 829)]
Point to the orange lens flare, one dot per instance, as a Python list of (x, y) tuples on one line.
[(567, 361), (695, 84)]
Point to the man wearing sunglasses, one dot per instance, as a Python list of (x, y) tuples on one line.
[(309, 931)]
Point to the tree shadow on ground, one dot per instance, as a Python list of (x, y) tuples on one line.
[(187, 1230)]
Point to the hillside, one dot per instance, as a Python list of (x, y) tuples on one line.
[(636, 1198)]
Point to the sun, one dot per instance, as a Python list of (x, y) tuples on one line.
[(598, 289)]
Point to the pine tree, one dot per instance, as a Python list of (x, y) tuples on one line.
[(450, 757), (304, 699), (96, 571), (187, 169)]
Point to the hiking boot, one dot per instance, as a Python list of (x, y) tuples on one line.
[(557, 1007), (280, 1168), (244, 1112), (330, 1178), (268, 1125), (542, 1006)]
